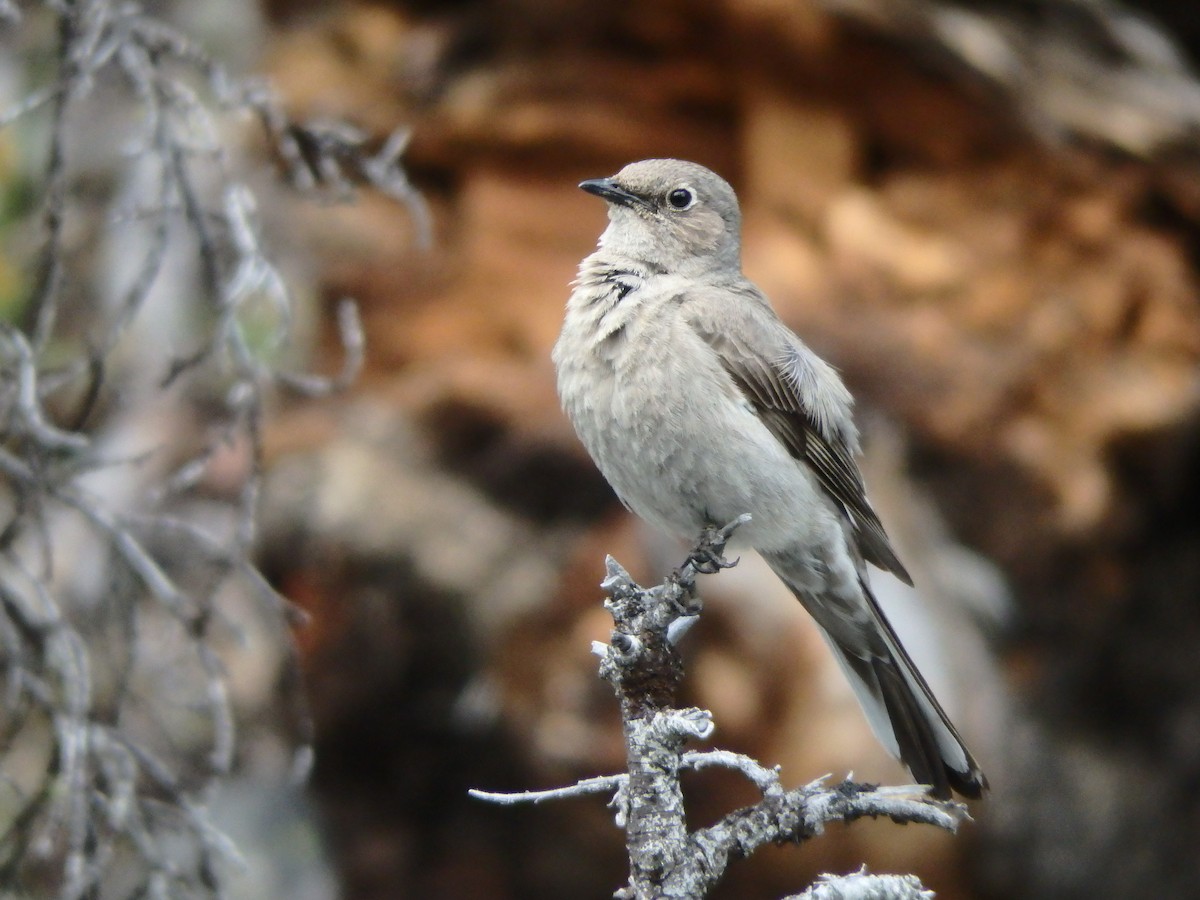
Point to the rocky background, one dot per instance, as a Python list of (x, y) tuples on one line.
[(985, 214)]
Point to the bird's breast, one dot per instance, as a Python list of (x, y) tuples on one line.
[(667, 426)]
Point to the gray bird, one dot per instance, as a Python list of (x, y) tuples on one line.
[(698, 405)]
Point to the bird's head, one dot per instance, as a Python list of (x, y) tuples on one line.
[(671, 214)]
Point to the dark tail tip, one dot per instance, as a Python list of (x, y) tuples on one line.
[(919, 747), (972, 784)]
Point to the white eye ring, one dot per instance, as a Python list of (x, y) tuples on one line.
[(681, 198)]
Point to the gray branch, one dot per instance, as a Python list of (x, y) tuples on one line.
[(666, 860), (862, 886)]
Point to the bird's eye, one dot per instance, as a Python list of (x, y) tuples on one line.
[(681, 198)]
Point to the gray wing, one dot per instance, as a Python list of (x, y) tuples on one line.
[(806, 433)]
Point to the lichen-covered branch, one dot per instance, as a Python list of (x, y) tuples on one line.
[(864, 886), (665, 858)]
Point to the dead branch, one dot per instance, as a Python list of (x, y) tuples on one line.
[(666, 859), (115, 565)]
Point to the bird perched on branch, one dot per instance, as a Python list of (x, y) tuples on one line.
[(698, 405)]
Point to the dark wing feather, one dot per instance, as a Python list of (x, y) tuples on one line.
[(783, 411)]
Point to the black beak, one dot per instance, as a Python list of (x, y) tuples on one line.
[(608, 189)]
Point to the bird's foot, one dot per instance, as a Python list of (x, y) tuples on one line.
[(708, 561), (708, 556)]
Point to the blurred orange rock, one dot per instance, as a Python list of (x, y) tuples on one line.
[(1023, 312)]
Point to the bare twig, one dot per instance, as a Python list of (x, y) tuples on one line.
[(602, 784)]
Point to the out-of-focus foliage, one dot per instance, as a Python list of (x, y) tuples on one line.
[(145, 328)]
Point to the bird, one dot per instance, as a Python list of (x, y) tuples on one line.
[(698, 405)]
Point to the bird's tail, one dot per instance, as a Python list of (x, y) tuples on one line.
[(901, 709)]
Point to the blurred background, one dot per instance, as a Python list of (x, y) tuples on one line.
[(986, 215)]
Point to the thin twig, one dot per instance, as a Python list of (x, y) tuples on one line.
[(601, 784)]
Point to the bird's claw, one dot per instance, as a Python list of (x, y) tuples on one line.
[(708, 557), (707, 560)]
